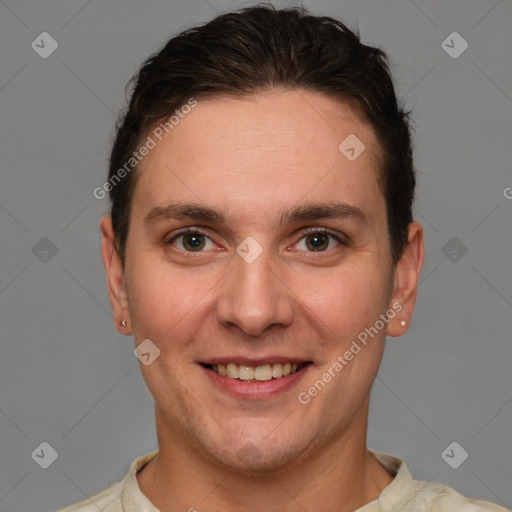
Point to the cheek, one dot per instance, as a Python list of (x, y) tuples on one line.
[(164, 301), (345, 302)]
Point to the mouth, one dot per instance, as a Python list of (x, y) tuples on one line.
[(256, 373)]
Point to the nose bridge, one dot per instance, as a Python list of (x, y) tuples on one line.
[(254, 279), (253, 297)]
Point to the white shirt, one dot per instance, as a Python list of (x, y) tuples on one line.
[(403, 494)]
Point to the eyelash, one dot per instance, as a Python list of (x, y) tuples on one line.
[(342, 240)]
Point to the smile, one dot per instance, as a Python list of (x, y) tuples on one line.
[(260, 373)]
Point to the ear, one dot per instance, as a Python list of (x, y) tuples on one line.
[(407, 274), (114, 270)]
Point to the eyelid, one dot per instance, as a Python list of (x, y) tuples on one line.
[(186, 231), (340, 237)]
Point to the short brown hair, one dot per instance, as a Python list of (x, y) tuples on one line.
[(254, 50)]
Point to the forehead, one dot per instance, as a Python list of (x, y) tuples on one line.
[(255, 153)]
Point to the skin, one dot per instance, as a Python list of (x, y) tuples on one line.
[(252, 159)]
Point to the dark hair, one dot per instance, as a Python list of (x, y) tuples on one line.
[(254, 50)]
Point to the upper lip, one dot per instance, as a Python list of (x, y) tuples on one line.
[(251, 361)]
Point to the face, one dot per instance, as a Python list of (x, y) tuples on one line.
[(257, 248)]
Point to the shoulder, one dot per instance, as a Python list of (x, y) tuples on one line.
[(409, 495), (108, 500), (127, 491), (433, 497)]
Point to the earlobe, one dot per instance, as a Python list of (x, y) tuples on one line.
[(407, 274), (114, 270)]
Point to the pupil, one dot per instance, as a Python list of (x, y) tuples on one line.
[(318, 242), (194, 242)]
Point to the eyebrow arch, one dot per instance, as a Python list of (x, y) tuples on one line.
[(320, 211), (181, 210), (312, 211)]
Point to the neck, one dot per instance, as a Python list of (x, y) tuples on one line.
[(340, 476)]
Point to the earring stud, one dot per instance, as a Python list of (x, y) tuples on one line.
[(124, 323), (402, 323)]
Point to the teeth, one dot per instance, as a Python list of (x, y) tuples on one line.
[(277, 370), (245, 372), (260, 373), (231, 370), (263, 372)]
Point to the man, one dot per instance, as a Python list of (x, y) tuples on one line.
[(260, 248)]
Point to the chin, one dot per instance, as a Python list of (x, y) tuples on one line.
[(262, 457)]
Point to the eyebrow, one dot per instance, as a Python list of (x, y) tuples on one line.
[(310, 211), (321, 211), (183, 210)]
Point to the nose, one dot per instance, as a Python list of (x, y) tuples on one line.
[(254, 298)]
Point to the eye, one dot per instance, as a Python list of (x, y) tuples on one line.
[(191, 240), (319, 240)]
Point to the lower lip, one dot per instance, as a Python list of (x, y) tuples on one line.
[(256, 390)]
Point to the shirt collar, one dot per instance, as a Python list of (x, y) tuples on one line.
[(392, 499), (398, 493), (132, 498)]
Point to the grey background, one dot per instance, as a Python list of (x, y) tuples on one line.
[(68, 378)]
